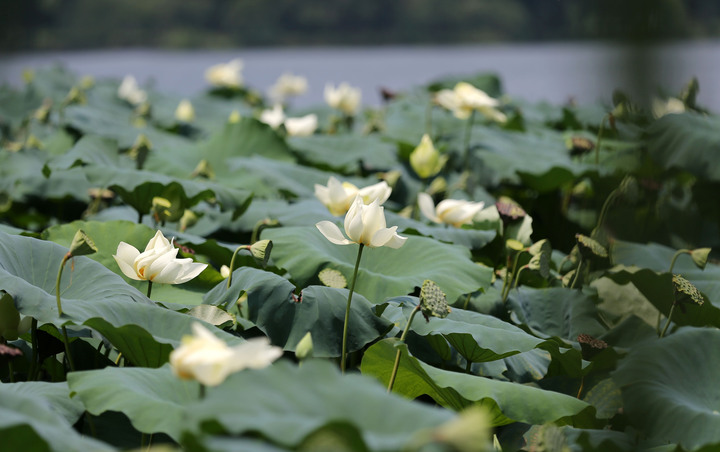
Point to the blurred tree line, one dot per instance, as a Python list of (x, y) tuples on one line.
[(66, 24)]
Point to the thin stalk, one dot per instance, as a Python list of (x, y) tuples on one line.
[(577, 273), (512, 275), (347, 309), (672, 265), (599, 140), (11, 371), (428, 117), (467, 301), (582, 385), (669, 319), (468, 366), (34, 365), (397, 355), (149, 291), (466, 143), (202, 391), (605, 208), (232, 263), (517, 277), (60, 312)]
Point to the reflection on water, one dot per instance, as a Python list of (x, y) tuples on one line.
[(555, 72)]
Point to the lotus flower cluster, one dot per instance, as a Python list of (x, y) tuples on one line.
[(209, 360), (338, 197), (226, 75), (450, 211), (301, 126), (344, 98), (465, 98), (158, 263), (364, 224)]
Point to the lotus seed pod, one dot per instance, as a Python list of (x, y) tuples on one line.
[(433, 301), (332, 278), (700, 257), (261, 251), (82, 244)]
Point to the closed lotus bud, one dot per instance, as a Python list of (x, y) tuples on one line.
[(425, 160), (188, 219), (234, 117), (161, 209), (261, 251), (185, 111), (305, 347), (82, 244)]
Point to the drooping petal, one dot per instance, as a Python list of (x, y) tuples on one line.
[(332, 233), (427, 207), (256, 353), (189, 270), (396, 241), (125, 257)]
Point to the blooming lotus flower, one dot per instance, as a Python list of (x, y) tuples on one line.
[(672, 105), (130, 91), (302, 126), (451, 211), (338, 197), (364, 224), (288, 85), (209, 360), (345, 98), (226, 75), (425, 159), (158, 263), (465, 98), (185, 111), (273, 117)]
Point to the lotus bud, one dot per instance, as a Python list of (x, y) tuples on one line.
[(185, 111), (87, 82), (425, 160), (82, 244), (28, 75), (225, 271), (234, 117), (260, 250), (161, 209), (304, 348), (188, 219)]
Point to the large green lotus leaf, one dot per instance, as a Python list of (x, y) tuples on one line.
[(16, 106), (244, 138), (137, 188), (53, 394), (689, 141), (406, 120), (92, 295), (286, 403), (154, 400), (507, 402), (657, 257), (267, 177), (92, 149), (211, 113), (477, 337), (555, 311), (384, 272), (319, 310), (345, 153), (670, 389), (107, 235), (32, 420)]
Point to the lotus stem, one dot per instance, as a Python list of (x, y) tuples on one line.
[(149, 291), (512, 275), (672, 265), (428, 117), (467, 300), (466, 142), (599, 139), (577, 273), (65, 258), (669, 319), (34, 365), (232, 263), (397, 355), (347, 309)]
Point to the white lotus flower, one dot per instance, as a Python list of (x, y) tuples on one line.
[(338, 197), (185, 111), (206, 358), (226, 75), (302, 126), (451, 211), (465, 98), (672, 105), (158, 263), (273, 117), (288, 85), (425, 159), (364, 224), (130, 91), (344, 98)]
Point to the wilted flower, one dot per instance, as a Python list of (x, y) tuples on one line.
[(425, 159), (451, 211), (288, 85), (185, 111), (273, 117), (302, 126), (209, 360), (338, 197), (465, 98), (158, 263), (130, 91), (226, 75), (364, 224), (345, 98)]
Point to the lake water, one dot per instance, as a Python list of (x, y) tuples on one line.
[(555, 72)]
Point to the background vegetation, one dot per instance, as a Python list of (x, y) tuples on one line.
[(71, 24)]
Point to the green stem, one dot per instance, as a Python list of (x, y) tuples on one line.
[(428, 117), (468, 366), (605, 208), (599, 140), (672, 265), (347, 309), (232, 263), (202, 391), (466, 143), (517, 277), (667, 324), (512, 275), (11, 371), (149, 291), (60, 312), (397, 355), (577, 272), (467, 301), (34, 365)]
